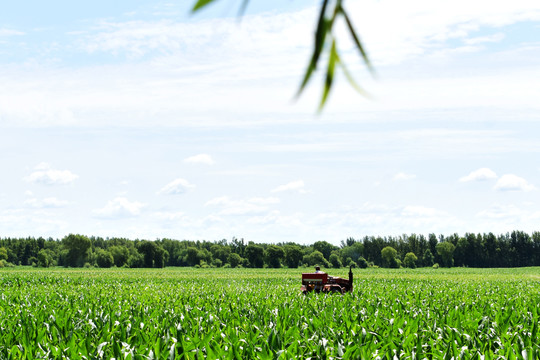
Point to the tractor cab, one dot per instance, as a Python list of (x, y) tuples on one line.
[(322, 282)]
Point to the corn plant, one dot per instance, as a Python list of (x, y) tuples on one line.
[(260, 314)]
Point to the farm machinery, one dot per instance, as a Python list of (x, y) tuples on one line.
[(322, 282)]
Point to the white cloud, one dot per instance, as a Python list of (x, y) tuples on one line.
[(200, 159), (252, 206), (297, 185), (479, 175), (44, 174), (9, 32), (501, 218), (264, 201), (403, 176), (275, 224), (423, 28), (119, 207), (485, 39), (16, 223), (501, 212), (189, 74), (381, 219), (175, 187), (50, 202), (420, 211), (169, 215), (197, 226), (222, 200), (177, 65), (511, 182), (261, 32), (395, 31)]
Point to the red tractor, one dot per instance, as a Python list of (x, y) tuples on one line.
[(322, 282)]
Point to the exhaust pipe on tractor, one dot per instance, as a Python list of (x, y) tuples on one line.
[(350, 278)]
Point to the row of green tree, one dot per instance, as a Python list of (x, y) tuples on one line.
[(514, 249)]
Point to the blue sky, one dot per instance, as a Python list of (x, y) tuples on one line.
[(137, 119)]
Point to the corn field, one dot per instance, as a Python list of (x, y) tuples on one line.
[(260, 314)]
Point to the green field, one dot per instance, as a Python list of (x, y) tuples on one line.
[(260, 313)]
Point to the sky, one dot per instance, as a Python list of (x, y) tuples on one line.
[(139, 119)]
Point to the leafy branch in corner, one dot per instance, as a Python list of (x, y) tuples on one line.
[(325, 43)]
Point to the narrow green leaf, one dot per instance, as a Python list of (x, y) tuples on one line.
[(320, 37), (200, 4), (320, 33), (116, 350), (357, 41), (309, 71), (329, 74), (534, 330), (351, 80)]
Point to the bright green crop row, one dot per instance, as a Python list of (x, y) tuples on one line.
[(250, 314)]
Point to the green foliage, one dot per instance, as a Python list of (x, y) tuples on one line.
[(316, 258), (136, 260), (161, 257), (3, 253), (234, 260), (78, 249), (325, 248), (325, 45), (192, 256), (221, 251), (45, 258), (410, 260), (120, 255), (255, 255), (258, 314), (293, 255), (446, 250), (104, 259), (148, 250), (428, 259), (4, 263), (480, 250), (32, 260), (335, 261), (273, 256), (154, 255), (389, 254), (201, 3), (217, 263), (326, 41), (353, 251), (362, 263)]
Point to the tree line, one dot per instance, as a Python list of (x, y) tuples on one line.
[(515, 249)]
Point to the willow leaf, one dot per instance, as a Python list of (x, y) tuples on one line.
[(320, 36), (350, 78), (332, 59), (200, 4), (357, 41)]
